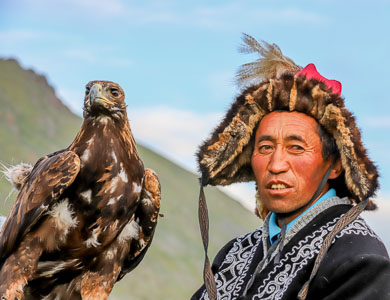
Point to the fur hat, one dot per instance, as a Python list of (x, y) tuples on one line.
[(225, 157)]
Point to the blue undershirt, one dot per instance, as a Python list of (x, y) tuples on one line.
[(274, 229)]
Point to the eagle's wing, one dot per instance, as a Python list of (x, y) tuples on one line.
[(147, 214), (51, 175)]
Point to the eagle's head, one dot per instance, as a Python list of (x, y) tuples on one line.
[(104, 98)]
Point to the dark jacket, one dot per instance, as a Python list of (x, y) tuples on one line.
[(356, 266)]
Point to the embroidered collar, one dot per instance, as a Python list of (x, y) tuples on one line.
[(274, 229), (303, 220)]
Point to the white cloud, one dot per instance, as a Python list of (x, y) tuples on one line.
[(177, 134), (118, 62), (150, 15), (376, 122), (379, 220), (102, 12), (100, 7), (221, 16), (243, 193), (105, 56), (291, 15), (19, 34), (81, 54), (93, 7), (16, 36), (174, 133), (196, 15), (72, 98), (221, 85)]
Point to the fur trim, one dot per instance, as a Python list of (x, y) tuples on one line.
[(225, 157)]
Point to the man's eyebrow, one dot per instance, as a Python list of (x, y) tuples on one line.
[(265, 138), (295, 138), (289, 138)]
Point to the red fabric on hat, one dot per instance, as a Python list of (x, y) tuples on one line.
[(310, 71)]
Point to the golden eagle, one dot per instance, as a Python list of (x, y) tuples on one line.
[(85, 216)]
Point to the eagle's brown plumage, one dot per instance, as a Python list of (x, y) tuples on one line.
[(84, 216)]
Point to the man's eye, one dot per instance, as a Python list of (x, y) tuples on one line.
[(263, 149), (296, 148)]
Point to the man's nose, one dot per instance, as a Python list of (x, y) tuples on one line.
[(278, 162)]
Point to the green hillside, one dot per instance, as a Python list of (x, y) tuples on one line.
[(33, 122)]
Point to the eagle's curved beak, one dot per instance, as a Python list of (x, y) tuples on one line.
[(96, 95)]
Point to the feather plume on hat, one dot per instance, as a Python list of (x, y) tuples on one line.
[(271, 63)]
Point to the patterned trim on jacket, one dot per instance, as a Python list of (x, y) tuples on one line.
[(232, 272)]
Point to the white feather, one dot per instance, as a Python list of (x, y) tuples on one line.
[(2, 221), (17, 174), (114, 183), (123, 175), (130, 231), (63, 216), (87, 195), (111, 253), (85, 156), (114, 156), (146, 201), (136, 188), (93, 240)]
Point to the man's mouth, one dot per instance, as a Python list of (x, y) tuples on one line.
[(278, 186)]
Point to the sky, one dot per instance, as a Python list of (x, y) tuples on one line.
[(176, 60)]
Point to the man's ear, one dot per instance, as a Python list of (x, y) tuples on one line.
[(337, 169)]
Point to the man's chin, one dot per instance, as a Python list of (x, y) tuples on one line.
[(281, 206)]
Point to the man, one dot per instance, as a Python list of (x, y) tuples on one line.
[(292, 134)]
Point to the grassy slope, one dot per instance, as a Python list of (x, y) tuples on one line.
[(33, 122)]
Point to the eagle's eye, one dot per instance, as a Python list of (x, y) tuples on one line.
[(87, 89), (115, 92)]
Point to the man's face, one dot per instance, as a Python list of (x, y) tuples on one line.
[(287, 160)]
